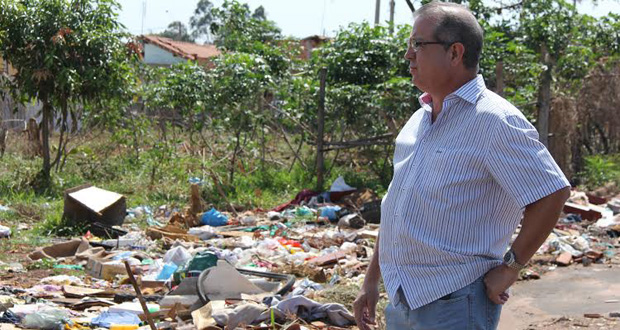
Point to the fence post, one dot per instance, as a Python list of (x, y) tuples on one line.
[(321, 123)]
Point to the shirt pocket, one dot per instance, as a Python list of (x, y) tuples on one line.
[(449, 168)]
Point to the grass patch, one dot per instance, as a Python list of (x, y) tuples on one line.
[(159, 175)]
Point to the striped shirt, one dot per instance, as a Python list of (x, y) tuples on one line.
[(458, 193)]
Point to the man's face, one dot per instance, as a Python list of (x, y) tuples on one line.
[(429, 64)]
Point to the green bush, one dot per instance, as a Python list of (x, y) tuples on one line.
[(600, 170)]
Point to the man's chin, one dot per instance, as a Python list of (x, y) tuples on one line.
[(416, 82)]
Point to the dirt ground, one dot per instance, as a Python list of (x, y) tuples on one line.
[(561, 297)]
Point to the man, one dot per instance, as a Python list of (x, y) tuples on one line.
[(468, 168)]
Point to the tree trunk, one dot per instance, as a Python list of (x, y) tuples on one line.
[(544, 97), (499, 78), (62, 140), (231, 176), (3, 134), (47, 113)]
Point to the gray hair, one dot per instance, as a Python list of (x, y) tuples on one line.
[(455, 23)]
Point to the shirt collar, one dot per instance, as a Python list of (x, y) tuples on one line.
[(468, 92)]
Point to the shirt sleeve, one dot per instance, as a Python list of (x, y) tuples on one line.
[(520, 164)]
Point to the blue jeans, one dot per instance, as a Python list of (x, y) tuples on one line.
[(467, 308)]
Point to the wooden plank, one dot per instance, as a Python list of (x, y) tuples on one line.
[(80, 292), (368, 234)]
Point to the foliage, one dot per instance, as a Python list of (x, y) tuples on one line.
[(600, 170)]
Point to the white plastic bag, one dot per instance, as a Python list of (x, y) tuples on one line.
[(50, 318), (178, 256), (204, 232), (340, 185)]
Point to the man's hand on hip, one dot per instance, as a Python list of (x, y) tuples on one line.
[(365, 306), (497, 282)]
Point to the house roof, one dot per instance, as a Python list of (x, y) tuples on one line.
[(187, 50)]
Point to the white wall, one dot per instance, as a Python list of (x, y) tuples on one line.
[(158, 56)]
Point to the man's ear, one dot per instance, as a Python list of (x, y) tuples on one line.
[(457, 50)]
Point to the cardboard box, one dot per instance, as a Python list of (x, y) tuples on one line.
[(105, 269), (87, 204)]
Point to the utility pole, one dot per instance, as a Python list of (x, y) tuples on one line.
[(377, 12), (392, 5), (143, 15)]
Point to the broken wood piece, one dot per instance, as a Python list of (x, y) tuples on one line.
[(145, 309)]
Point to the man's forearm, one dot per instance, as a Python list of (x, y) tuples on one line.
[(373, 273), (539, 219)]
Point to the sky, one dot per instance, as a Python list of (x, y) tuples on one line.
[(295, 17)]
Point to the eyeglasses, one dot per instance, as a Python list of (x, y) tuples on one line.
[(416, 45)]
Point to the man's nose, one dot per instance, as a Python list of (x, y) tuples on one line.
[(409, 54)]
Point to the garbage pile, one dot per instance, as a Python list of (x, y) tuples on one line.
[(203, 268), (587, 232), (198, 268)]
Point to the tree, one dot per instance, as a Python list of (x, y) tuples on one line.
[(201, 21), (207, 19), (66, 53), (235, 28), (259, 13), (177, 31)]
